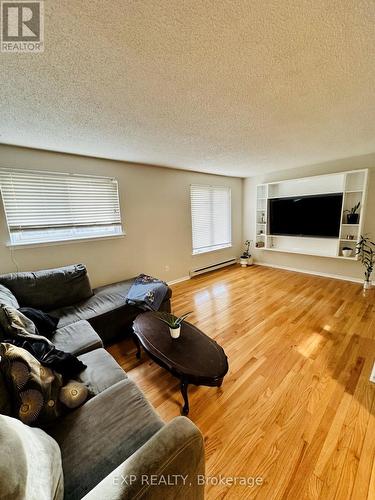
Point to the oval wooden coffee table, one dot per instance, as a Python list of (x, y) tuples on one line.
[(193, 358)]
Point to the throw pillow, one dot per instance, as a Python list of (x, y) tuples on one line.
[(73, 394), (34, 388), (30, 463), (7, 297), (12, 323), (44, 322)]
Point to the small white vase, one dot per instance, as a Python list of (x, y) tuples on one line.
[(347, 253), (244, 262), (367, 285), (250, 261), (175, 332)]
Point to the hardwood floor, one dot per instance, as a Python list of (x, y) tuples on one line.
[(296, 408)]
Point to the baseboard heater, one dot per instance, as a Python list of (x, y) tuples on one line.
[(207, 269)]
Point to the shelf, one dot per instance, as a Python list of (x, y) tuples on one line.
[(299, 251), (352, 225), (355, 181), (354, 191), (347, 239), (296, 195), (313, 254)]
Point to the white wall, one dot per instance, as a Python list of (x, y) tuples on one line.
[(155, 205), (308, 263)]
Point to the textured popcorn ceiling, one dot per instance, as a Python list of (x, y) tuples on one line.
[(231, 87)]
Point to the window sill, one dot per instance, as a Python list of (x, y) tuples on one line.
[(63, 242), (211, 250)]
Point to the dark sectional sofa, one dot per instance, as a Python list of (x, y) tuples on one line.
[(66, 293), (116, 434)]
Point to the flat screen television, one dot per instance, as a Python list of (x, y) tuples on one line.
[(316, 216)]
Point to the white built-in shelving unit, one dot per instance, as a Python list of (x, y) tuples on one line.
[(353, 186)]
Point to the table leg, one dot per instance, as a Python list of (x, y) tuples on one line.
[(184, 392), (138, 346)]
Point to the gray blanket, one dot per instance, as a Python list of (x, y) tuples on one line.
[(147, 292)]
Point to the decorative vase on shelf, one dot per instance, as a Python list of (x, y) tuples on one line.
[(347, 252), (175, 332), (352, 218)]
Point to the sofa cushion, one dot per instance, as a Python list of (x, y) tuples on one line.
[(106, 311), (102, 371), (7, 298), (30, 463), (105, 299), (76, 338), (50, 288), (99, 436)]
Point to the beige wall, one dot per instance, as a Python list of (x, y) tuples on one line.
[(325, 265), (155, 205)]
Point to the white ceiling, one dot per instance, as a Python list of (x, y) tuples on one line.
[(233, 87)]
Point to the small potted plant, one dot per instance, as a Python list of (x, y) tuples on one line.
[(246, 259), (347, 251), (352, 216), (174, 322), (365, 250)]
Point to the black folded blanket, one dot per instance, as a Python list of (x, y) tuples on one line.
[(19, 330), (46, 353)]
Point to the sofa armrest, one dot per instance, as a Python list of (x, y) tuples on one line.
[(166, 467), (165, 306)]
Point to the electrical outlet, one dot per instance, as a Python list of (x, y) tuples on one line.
[(372, 376), (166, 268)]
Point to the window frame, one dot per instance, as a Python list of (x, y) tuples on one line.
[(219, 246), (58, 241)]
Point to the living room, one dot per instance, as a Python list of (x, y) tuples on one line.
[(186, 250)]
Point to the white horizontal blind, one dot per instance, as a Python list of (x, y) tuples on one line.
[(211, 218), (48, 206)]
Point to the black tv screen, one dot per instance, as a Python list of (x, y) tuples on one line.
[(317, 215)]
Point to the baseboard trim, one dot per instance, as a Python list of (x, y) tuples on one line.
[(314, 273), (178, 280)]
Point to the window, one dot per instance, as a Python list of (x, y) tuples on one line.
[(211, 218), (45, 207)]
